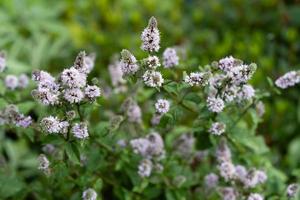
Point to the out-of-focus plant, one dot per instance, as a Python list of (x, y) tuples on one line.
[(31, 32), (163, 131)]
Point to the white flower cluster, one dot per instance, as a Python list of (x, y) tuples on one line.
[(72, 86), (128, 63), (211, 180), (89, 194), (13, 82), (228, 84), (153, 78), (54, 125), (217, 128), (162, 106), (288, 80), (237, 174), (255, 196), (11, 115), (197, 78), (229, 193), (152, 62), (44, 164), (116, 76), (151, 148), (150, 37), (292, 190), (80, 130), (170, 58)]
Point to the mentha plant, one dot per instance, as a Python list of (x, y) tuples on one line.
[(164, 130)]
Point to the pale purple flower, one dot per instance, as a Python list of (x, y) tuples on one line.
[(288, 80), (153, 78), (116, 74), (217, 128), (134, 113), (128, 63), (140, 146), (89, 194), (50, 124), (72, 78), (240, 173), (223, 152), (211, 180), (73, 95), (23, 121), (152, 62), (255, 196), (229, 193), (49, 149), (49, 85), (227, 170), (215, 104), (84, 63), (42, 76), (255, 177), (226, 64), (80, 130), (46, 97), (92, 91), (260, 108), (246, 92), (11, 82), (145, 168), (23, 81), (184, 145), (241, 73), (197, 78), (170, 58), (43, 162), (292, 190), (162, 106), (150, 37)]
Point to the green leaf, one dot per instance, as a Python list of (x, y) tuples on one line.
[(73, 152)]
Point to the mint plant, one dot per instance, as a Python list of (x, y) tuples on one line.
[(163, 130)]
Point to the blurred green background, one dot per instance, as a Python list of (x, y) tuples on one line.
[(48, 35)]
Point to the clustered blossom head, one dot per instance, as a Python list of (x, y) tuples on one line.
[(132, 110), (288, 80), (72, 85), (292, 190), (89, 194), (54, 125), (80, 130), (13, 82), (197, 78), (11, 115), (162, 106), (184, 145), (152, 62), (255, 196), (84, 63), (128, 63), (237, 174), (145, 168), (2, 61), (116, 74), (150, 37), (44, 164), (92, 92), (217, 128), (72, 78), (170, 58), (229, 193), (153, 78), (215, 104), (211, 180), (150, 148), (227, 82)]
